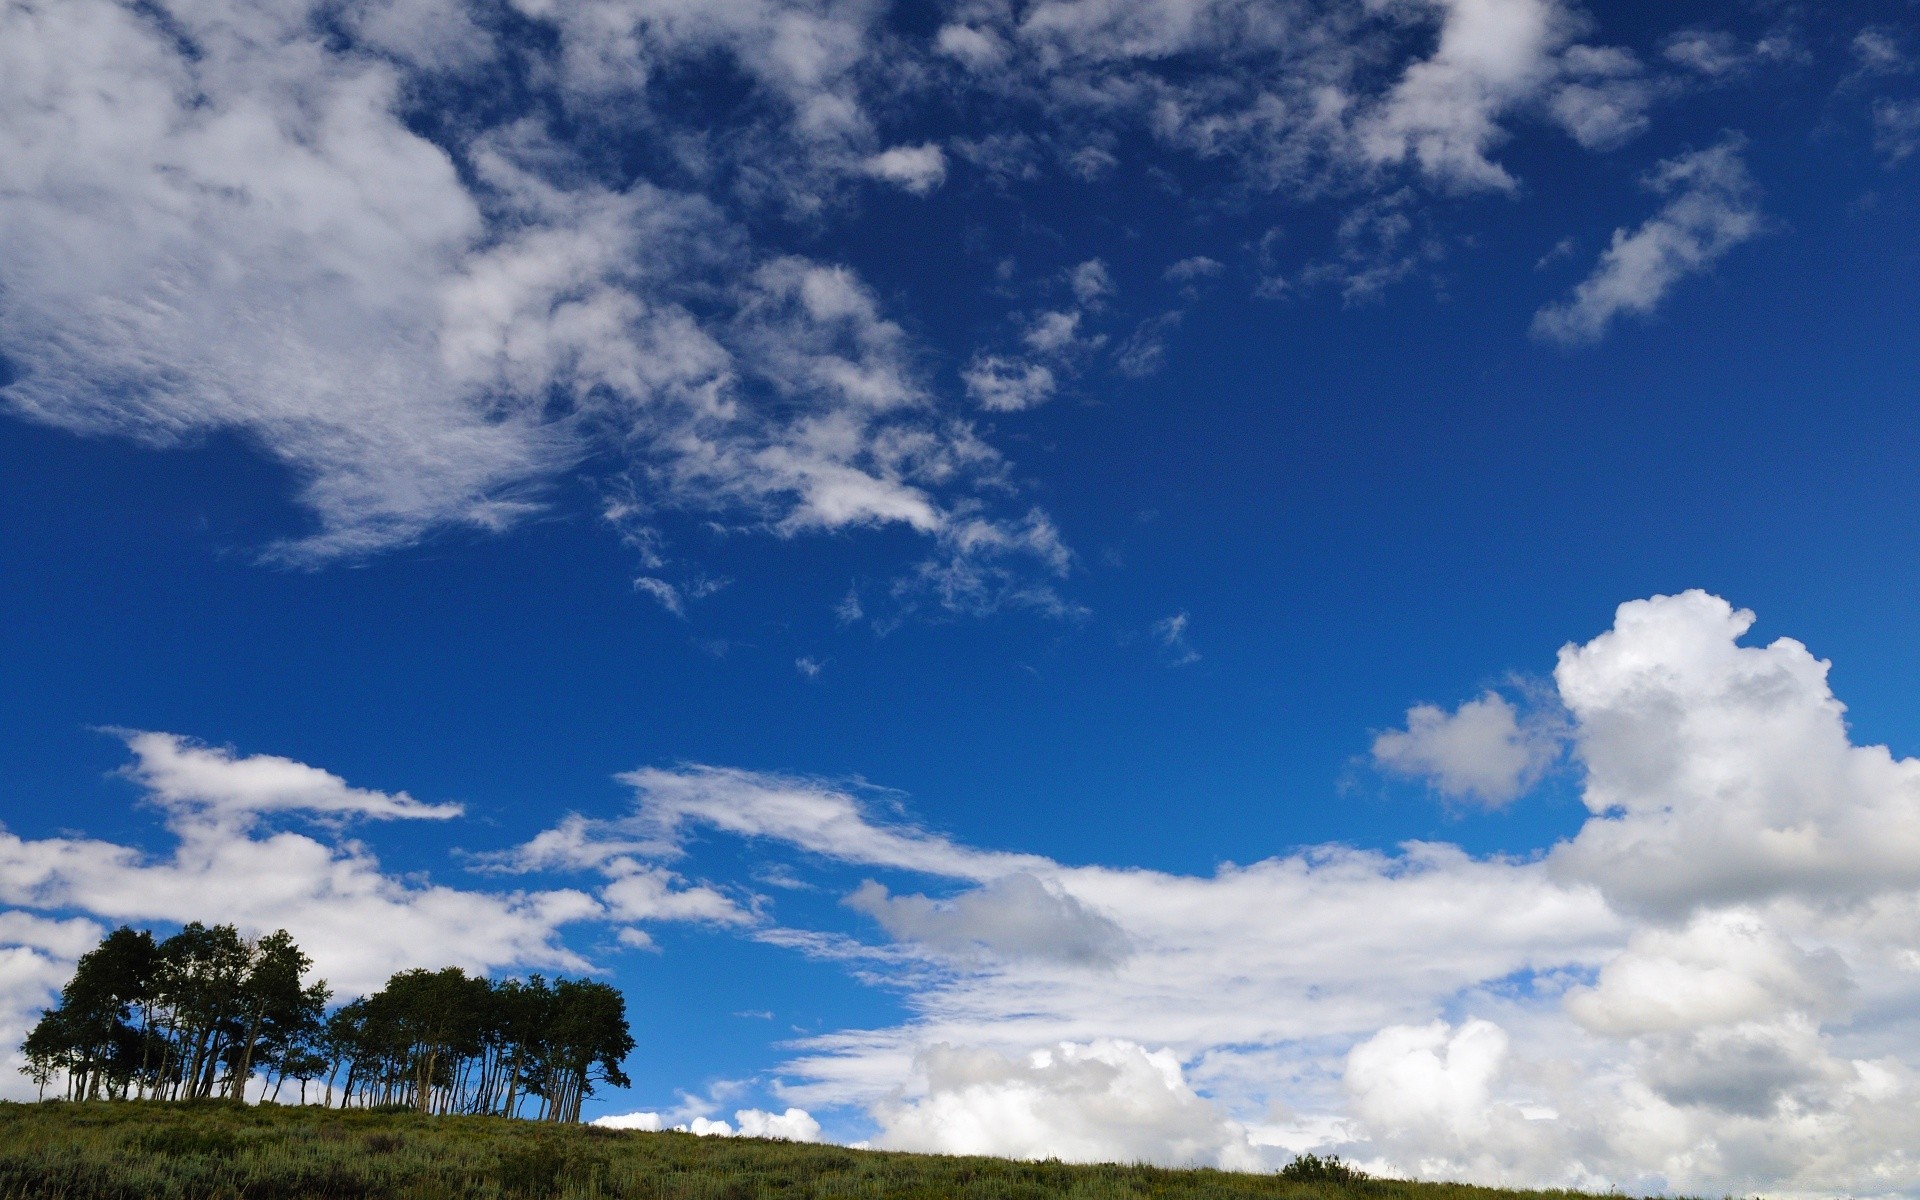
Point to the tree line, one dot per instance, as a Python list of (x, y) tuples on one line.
[(205, 1013)]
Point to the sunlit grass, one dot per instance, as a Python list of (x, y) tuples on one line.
[(222, 1151)]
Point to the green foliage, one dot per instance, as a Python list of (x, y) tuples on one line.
[(1311, 1168), (147, 1150), (207, 1012)]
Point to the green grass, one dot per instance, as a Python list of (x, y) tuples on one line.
[(222, 1151)]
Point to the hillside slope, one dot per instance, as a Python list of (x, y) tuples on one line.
[(217, 1151)]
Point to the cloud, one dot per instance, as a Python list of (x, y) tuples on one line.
[(1431, 1078), (1604, 103), (214, 219), (359, 923), (1003, 385), (1706, 988), (1722, 774), (646, 1122), (1016, 916), (1722, 968), (793, 1125), (1480, 752), (1878, 51), (1712, 208), (1171, 633), (36, 960), (1896, 129), (1104, 1101), (916, 169), (1443, 114), (1720, 55), (806, 813), (212, 783)]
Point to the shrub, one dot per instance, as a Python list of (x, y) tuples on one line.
[(1311, 1168)]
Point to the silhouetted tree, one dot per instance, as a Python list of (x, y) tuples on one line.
[(207, 1011)]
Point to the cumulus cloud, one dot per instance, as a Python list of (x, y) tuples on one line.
[(1481, 751), (1702, 989), (1722, 774), (1432, 1080), (1708, 987), (793, 1125), (1722, 968), (1712, 208), (1104, 1101)]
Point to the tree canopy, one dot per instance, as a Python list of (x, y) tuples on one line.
[(207, 1012)]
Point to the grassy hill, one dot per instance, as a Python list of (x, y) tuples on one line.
[(216, 1151)]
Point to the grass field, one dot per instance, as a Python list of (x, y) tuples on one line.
[(216, 1151)]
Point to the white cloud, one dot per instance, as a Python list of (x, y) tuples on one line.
[(214, 218), (1443, 114), (1481, 751), (1712, 208), (646, 1122), (1719, 55), (1091, 282), (793, 1125), (1188, 272), (1722, 968), (359, 923), (1016, 916), (212, 783), (1721, 774), (1605, 100), (807, 813), (1105, 1101), (36, 959), (1433, 1079), (916, 169), (1707, 988)]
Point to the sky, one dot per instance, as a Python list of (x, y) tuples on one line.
[(1175, 580)]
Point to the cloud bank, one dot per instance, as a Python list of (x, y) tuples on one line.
[(322, 229), (1708, 987)]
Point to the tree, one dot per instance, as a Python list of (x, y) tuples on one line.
[(206, 1011), (88, 1037)]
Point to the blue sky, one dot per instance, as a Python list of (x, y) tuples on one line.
[(1118, 477)]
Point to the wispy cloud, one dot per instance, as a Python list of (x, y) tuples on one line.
[(1713, 206)]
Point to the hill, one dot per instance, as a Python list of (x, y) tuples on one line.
[(216, 1150)]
